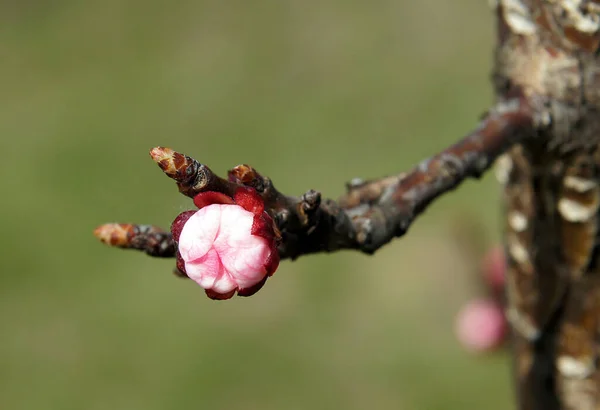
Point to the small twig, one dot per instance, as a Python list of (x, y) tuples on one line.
[(370, 214), (148, 238)]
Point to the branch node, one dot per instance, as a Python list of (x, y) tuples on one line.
[(311, 200), (246, 175)]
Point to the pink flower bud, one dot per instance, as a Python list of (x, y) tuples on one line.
[(494, 268), (229, 245), (481, 326)]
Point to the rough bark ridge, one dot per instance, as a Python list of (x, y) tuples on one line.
[(546, 123)]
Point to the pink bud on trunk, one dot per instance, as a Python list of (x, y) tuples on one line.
[(481, 325), (494, 268)]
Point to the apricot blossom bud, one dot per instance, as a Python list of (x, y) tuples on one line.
[(229, 245), (481, 325), (494, 268)]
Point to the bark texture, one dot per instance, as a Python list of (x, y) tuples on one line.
[(547, 52)]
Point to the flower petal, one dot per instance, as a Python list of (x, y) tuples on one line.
[(224, 283), (199, 233), (242, 254), (206, 270), (179, 223)]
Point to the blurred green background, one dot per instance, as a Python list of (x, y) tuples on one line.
[(311, 93)]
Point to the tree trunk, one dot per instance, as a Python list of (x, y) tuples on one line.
[(547, 53)]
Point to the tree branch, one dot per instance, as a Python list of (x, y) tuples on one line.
[(367, 217)]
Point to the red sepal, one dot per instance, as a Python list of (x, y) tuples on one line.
[(180, 264), (272, 262), (260, 227), (249, 199), (253, 289), (219, 296), (210, 198), (180, 274), (263, 226)]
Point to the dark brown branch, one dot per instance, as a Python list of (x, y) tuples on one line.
[(401, 203), (370, 214)]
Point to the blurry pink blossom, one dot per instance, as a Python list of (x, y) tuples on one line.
[(481, 325), (229, 245), (494, 268)]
